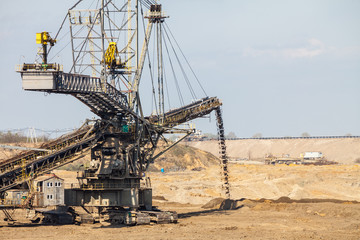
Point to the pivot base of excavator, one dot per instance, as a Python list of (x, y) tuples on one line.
[(132, 218)]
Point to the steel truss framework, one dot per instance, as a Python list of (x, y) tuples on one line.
[(123, 141)]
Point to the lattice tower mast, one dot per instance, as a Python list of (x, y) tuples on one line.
[(92, 31)]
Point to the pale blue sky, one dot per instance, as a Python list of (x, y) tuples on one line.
[(281, 67)]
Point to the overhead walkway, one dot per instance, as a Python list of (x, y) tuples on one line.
[(102, 98)]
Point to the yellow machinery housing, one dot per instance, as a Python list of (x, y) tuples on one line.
[(44, 38), (112, 58)]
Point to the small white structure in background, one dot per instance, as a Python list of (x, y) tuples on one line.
[(49, 191), (313, 155)]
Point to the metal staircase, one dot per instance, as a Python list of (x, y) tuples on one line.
[(100, 97)]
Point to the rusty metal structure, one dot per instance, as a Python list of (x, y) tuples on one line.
[(122, 142)]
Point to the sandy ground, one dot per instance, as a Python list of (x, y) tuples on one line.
[(261, 181), (185, 192), (251, 221)]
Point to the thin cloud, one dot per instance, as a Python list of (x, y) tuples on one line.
[(313, 48)]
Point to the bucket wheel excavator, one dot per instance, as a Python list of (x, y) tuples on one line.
[(122, 141)]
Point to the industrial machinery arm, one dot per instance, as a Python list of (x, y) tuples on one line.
[(44, 38)]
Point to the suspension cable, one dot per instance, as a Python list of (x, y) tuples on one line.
[(63, 22), (174, 75), (167, 90), (193, 72), (182, 69)]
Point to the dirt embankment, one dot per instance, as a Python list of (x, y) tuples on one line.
[(342, 150), (182, 157), (178, 158)]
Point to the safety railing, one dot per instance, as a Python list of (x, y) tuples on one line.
[(101, 186), (77, 82)]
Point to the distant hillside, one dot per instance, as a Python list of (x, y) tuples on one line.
[(342, 150), (180, 157)]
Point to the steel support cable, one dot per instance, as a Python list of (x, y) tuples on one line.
[(174, 75), (62, 24), (167, 90), (145, 4), (182, 69), (60, 39), (162, 70), (158, 53), (153, 58), (158, 65), (148, 55), (193, 72), (153, 96), (59, 51), (150, 2), (152, 73)]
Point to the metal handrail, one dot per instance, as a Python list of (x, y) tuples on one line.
[(108, 185)]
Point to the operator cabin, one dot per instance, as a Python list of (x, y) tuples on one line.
[(49, 191)]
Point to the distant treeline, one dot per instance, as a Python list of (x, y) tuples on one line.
[(10, 137)]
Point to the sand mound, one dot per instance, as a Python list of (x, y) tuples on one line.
[(213, 203), (159, 198), (221, 203)]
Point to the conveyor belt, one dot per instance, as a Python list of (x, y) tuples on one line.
[(198, 109), (187, 113), (222, 152), (31, 164)]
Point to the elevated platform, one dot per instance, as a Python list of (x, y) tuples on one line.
[(102, 98)]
